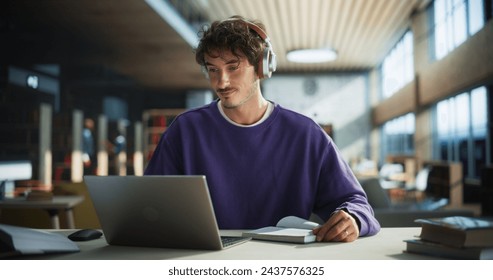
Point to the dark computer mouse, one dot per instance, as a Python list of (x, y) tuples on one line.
[(85, 235)]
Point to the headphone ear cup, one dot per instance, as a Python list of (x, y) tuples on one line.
[(261, 69), (271, 62), (267, 64)]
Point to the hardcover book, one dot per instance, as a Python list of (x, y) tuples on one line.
[(458, 231), (439, 250), (289, 229)]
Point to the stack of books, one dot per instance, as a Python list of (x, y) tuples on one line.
[(454, 237)]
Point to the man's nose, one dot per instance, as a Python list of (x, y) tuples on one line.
[(222, 79)]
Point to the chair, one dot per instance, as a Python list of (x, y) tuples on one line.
[(387, 171), (389, 214), (377, 196), (421, 180)]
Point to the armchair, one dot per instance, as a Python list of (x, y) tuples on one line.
[(403, 214)]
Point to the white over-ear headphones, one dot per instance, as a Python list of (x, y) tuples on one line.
[(267, 63)]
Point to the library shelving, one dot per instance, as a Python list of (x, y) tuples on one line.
[(155, 123)]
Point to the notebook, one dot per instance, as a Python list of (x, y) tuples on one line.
[(157, 211), (15, 240)]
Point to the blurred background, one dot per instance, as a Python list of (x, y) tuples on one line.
[(402, 86)]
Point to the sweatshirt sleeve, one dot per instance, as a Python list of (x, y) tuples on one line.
[(339, 189), (165, 159)]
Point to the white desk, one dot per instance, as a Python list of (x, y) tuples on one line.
[(388, 244), (53, 206)]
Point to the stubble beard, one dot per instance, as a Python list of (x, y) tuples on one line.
[(230, 105)]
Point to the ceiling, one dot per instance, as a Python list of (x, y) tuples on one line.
[(127, 42)]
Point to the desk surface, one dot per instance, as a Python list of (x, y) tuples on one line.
[(58, 202), (53, 206), (388, 244)]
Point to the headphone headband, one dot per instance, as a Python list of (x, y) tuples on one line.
[(268, 63)]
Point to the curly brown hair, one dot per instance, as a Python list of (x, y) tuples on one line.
[(234, 35)]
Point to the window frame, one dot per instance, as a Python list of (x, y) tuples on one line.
[(450, 20), (453, 139)]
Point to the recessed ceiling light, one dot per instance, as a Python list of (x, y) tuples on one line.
[(312, 55), (175, 20)]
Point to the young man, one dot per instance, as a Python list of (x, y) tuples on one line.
[(262, 162)]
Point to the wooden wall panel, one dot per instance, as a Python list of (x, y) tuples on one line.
[(468, 66)]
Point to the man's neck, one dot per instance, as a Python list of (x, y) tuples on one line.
[(248, 113)]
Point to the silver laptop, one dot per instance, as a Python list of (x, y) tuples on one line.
[(157, 211)]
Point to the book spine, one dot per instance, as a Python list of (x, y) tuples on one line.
[(443, 235)]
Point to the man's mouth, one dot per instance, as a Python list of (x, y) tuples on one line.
[(225, 92)]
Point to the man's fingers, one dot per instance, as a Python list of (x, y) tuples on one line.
[(339, 227)]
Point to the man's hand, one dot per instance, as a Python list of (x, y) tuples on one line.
[(341, 227)]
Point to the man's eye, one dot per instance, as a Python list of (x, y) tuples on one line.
[(233, 68), (212, 70)]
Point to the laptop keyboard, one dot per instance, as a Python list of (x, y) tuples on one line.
[(233, 240)]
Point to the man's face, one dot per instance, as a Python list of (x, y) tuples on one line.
[(233, 78)]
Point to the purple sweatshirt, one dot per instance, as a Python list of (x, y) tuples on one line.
[(286, 165)]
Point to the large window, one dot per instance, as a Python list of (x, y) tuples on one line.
[(398, 66), (461, 125), (398, 136), (454, 21)]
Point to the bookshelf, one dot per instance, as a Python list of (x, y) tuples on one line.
[(20, 132), (409, 164), (155, 123), (445, 180), (487, 191)]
